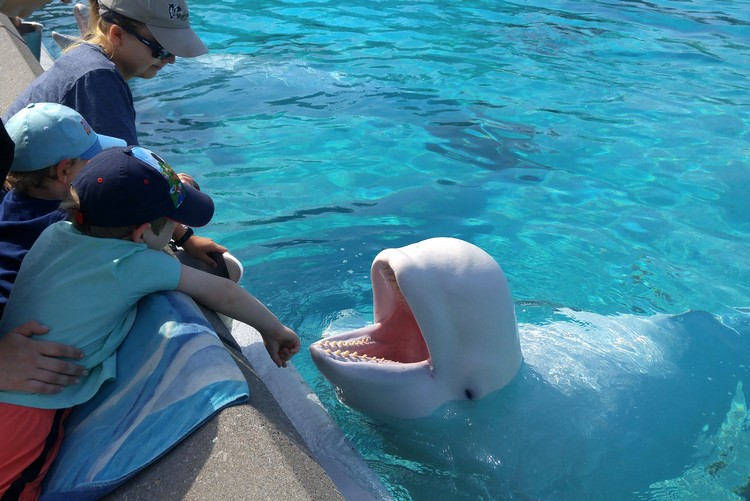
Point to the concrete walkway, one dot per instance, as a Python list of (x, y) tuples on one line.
[(249, 451)]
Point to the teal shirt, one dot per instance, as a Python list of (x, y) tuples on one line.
[(86, 291)]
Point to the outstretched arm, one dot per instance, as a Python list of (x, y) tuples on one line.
[(226, 297), (36, 366)]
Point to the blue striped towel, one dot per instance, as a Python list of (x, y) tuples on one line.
[(173, 374)]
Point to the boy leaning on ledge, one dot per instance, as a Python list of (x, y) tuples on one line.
[(84, 278)]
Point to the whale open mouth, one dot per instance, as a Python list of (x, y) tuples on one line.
[(394, 337), (444, 328)]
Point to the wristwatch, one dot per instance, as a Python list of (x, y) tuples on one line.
[(184, 238)]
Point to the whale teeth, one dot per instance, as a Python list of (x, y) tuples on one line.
[(345, 344), (335, 350)]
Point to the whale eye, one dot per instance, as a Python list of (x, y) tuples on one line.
[(469, 394)]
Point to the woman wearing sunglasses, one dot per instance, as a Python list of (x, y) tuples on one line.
[(126, 39)]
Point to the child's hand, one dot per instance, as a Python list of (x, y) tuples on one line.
[(282, 345), (188, 179), (201, 247)]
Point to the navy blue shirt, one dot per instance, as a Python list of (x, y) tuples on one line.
[(85, 79), (22, 220)]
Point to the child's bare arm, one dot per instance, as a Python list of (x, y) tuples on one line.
[(226, 297)]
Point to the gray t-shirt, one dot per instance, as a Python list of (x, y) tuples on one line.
[(86, 80)]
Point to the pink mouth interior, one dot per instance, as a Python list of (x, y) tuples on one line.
[(396, 336)]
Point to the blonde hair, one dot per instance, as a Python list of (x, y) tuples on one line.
[(98, 29), (72, 206)]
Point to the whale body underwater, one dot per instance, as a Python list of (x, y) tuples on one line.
[(566, 408)]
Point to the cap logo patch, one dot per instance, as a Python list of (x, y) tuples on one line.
[(176, 189), (176, 12), (86, 126)]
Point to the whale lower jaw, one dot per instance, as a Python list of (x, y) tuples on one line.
[(362, 347), (378, 387), (365, 345), (366, 378)]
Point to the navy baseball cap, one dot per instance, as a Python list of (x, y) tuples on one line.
[(131, 186)]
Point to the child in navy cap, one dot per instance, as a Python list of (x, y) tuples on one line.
[(84, 278)]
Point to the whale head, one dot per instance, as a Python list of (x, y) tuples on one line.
[(444, 329)]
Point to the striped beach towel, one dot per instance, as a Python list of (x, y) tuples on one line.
[(173, 374)]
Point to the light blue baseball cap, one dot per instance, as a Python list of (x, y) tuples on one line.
[(45, 133)]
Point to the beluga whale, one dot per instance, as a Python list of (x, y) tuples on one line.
[(444, 329), (597, 407)]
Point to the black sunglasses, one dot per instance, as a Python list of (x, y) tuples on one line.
[(157, 51)]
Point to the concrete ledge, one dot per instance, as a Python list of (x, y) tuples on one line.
[(19, 66), (248, 451)]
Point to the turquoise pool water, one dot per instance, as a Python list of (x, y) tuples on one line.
[(598, 150)]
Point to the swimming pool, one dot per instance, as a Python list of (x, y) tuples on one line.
[(597, 150)]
